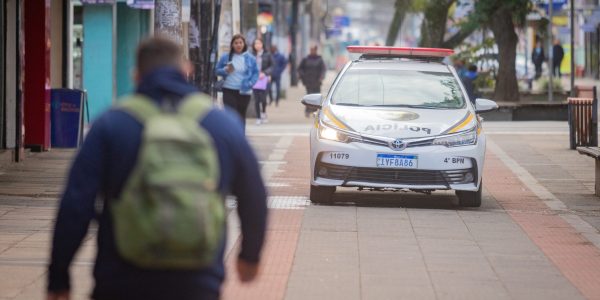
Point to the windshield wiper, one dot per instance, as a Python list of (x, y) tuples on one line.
[(406, 105), (347, 104)]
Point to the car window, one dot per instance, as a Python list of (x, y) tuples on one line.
[(376, 87)]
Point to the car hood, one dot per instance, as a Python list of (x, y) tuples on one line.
[(400, 122)]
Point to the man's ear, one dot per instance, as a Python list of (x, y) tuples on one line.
[(187, 68), (135, 74)]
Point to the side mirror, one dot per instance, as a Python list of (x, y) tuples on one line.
[(484, 105), (312, 101)]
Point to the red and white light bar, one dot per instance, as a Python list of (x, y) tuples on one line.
[(400, 51)]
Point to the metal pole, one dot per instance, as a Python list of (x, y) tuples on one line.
[(214, 48), (550, 54), (293, 29), (572, 48)]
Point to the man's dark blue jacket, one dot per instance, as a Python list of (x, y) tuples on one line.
[(100, 170)]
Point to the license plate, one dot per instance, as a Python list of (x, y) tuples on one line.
[(397, 161)]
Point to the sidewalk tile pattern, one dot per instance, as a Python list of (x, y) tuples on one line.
[(285, 217), (574, 256)]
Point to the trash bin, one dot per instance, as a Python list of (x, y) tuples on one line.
[(583, 119), (66, 117)]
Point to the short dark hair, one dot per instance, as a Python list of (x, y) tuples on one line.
[(235, 37), (156, 52), (472, 68)]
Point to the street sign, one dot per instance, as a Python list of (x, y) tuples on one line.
[(341, 21), (556, 4)]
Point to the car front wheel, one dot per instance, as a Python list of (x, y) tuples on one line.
[(470, 199), (321, 194)]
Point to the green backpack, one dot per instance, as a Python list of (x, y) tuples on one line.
[(170, 214)]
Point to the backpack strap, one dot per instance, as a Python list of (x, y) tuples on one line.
[(195, 106), (140, 107)]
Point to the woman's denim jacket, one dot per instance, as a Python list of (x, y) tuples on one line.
[(250, 77)]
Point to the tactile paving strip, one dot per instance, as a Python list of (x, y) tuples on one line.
[(278, 202)]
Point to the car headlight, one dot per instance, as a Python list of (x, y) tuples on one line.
[(333, 134), (465, 138)]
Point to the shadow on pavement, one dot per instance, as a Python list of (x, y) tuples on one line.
[(437, 200)]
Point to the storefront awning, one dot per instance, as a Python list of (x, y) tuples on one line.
[(143, 4)]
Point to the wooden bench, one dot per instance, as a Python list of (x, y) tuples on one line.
[(595, 153)]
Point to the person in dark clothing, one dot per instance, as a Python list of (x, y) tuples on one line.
[(240, 71), (102, 167), (538, 58), (279, 65), (468, 80), (264, 60), (312, 72), (558, 53)]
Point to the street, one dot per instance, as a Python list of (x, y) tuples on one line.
[(534, 237)]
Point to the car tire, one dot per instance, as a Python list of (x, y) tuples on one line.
[(321, 194), (470, 199)]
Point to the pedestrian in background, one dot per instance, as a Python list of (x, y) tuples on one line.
[(558, 53), (264, 60), (312, 72), (240, 71), (106, 162), (538, 58), (468, 79), (459, 66), (279, 65)]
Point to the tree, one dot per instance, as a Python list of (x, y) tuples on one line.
[(433, 28), (401, 8), (435, 18), (502, 17)]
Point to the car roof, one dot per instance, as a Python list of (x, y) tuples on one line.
[(398, 64)]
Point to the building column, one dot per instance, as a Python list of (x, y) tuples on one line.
[(99, 57), (36, 88), (57, 51)]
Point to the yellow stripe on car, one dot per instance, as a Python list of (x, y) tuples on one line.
[(334, 119), (462, 124)]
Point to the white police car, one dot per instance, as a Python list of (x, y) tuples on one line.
[(397, 118)]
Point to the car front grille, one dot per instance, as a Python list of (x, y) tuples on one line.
[(381, 142), (394, 176)]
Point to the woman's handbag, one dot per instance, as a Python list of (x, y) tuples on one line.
[(261, 83), (219, 85)]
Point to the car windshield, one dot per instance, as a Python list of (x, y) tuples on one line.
[(419, 89)]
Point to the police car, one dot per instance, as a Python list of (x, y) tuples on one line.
[(397, 119)]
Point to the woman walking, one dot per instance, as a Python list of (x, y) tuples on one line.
[(240, 71), (265, 63)]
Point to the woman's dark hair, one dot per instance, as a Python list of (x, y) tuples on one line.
[(257, 40), (235, 37)]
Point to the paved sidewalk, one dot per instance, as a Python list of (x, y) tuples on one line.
[(536, 235)]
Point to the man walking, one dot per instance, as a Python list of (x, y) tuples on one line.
[(312, 72), (104, 166), (558, 54), (538, 58), (279, 64)]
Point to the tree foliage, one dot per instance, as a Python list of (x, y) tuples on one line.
[(433, 27), (502, 17)]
